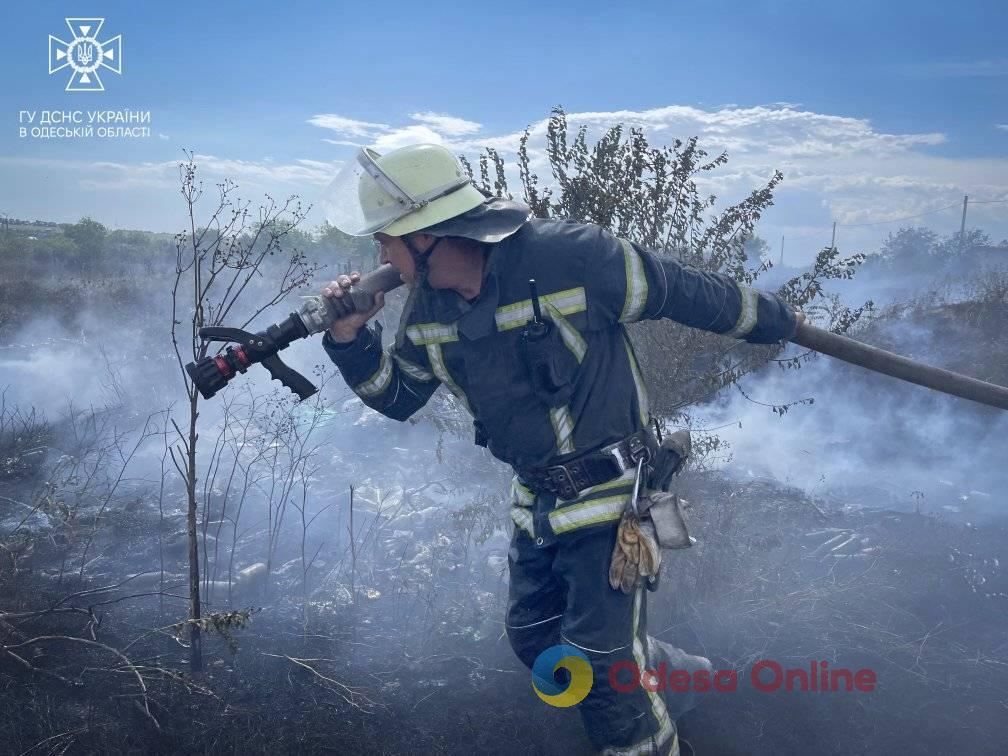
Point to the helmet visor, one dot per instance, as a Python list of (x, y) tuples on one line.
[(358, 203)]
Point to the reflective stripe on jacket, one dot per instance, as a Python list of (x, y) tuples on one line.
[(590, 284)]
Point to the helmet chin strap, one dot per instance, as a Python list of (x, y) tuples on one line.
[(421, 260), (421, 267)]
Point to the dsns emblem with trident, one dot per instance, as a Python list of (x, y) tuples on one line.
[(85, 54)]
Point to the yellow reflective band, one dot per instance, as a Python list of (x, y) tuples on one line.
[(568, 333), (523, 519), (521, 496), (666, 730), (642, 398), (516, 315), (636, 284), (624, 480), (414, 371), (588, 513), (563, 429), (424, 334), (747, 317), (378, 382), (441, 371)]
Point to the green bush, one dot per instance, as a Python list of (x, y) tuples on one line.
[(650, 195)]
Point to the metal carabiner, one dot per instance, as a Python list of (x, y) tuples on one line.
[(636, 488)]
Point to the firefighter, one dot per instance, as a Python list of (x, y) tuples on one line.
[(554, 389)]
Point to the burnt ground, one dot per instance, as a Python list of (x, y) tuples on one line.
[(418, 664), (405, 654)]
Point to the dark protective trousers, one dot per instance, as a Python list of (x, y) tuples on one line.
[(560, 594)]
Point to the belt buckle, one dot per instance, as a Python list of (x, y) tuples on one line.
[(638, 449), (563, 480), (628, 452)]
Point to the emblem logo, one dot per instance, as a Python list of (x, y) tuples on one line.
[(578, 673), (85, 55)]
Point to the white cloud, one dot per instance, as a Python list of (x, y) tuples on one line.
[(836, 167), (346, 126), (786, 132), (112, 176), (447, 125), (432, 128), (1002, 126), (408, 135), (342, 142), (302, 171)]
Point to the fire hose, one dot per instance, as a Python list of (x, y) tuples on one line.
[(212, 373)]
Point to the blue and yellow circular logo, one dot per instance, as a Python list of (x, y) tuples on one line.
[(565, 657)]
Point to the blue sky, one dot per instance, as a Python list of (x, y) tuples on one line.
[(873, 110)]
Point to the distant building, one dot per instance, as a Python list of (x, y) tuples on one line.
[(24, 227)]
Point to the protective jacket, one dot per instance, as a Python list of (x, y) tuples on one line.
[(590, 285), (574, 392)]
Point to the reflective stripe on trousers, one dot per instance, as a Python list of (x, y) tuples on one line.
[(561, 594)]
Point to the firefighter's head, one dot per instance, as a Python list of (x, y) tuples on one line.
[(393, 196), (400, 192), (406, 251), (413, 199)]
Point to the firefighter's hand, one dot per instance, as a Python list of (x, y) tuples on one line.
[(344, 329)]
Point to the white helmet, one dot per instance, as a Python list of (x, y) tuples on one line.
[(403, 191)]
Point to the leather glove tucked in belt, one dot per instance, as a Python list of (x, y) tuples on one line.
[(636, 555)]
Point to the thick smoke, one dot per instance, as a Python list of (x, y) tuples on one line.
[(424, 561), (867, 441)]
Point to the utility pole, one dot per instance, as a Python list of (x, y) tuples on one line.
[(833, 240), (782, 251), (962, 226)]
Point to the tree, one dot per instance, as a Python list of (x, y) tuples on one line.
[(756, 249), (650, 195), (89, 237), (956, 244), (911, 246), (217, 273), (909, 241), (341, 248)]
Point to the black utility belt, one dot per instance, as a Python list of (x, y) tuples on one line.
[(591, 469)]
